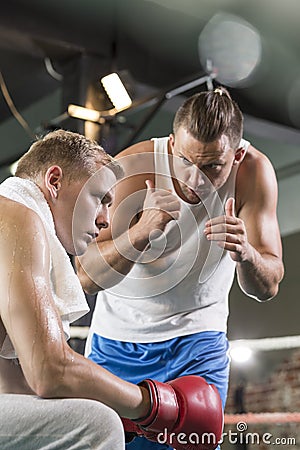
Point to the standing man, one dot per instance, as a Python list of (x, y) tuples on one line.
[(192, 209), (51, 397)]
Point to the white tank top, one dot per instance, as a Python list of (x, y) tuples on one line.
[(180, 285)]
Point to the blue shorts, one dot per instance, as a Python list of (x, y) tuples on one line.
[(204, 354)]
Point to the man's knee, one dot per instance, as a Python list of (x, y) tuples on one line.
[(104, 426)]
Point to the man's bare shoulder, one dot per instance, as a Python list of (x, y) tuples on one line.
[(139, 147), (18, 218), (256, 177), (255, 166), (255, 159), (137, 160)]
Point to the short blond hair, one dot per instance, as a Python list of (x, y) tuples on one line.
[(77, 155)]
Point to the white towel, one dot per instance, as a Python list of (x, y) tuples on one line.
[(67, 291)]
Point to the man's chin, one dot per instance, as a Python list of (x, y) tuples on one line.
[(191, 196), (79, 249)]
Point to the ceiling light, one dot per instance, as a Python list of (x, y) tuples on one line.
[(234, 66), (79, 112), (116, 91)]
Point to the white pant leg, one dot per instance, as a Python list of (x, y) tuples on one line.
[(31, 423)]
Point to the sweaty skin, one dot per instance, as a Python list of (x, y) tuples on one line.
[(46, 364)]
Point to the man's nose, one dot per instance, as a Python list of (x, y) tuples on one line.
[(102, 219), (197, 177)]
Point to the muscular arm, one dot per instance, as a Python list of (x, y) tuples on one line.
[(249, 230), (109, 258), (116, 250), (29, 315), (261, 270)]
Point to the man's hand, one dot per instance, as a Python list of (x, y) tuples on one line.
[(159, 208), (230, 233)]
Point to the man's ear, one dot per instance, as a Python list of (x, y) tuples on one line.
[(53, 178), (171, 141), (239, 155)]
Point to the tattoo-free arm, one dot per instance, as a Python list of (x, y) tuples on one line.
[(261, 271), (109, 259), (28, 312)]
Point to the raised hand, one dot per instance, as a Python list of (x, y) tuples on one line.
[(159, 208), (229, 232)]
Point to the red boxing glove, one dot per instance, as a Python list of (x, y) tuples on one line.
[(162, 416), (186, 414), (200, 420)]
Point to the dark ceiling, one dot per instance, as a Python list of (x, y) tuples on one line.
[(160, 43)]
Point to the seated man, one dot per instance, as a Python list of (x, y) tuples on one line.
[(51, 397)]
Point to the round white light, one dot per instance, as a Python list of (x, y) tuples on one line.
[(233, 47), (241, 354)]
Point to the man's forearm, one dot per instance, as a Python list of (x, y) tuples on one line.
[(105, 264), (260, 276)]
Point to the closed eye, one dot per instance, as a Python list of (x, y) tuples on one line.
[(107, 200), (185, 161)]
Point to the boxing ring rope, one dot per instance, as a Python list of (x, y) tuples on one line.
[(78, 332), (259, 418), (263, 344)]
